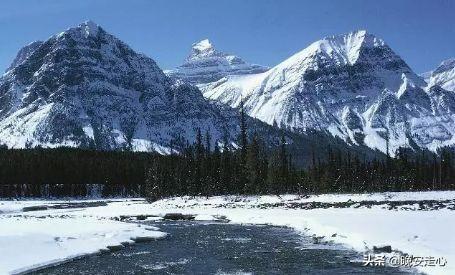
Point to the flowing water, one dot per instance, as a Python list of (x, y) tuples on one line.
[(220, 248)]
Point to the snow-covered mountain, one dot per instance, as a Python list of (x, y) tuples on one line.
[(206, 64), (86, 88), (24, 53), (353, 86), (443, 75)]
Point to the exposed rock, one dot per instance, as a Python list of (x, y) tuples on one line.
[(382, 249), (143, 239), (178, 216), (141, 217), (24, 53), (317, 239), (114, 248), (35, 208)]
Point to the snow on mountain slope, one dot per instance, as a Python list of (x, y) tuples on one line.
[(353, 86), (443, 75), (85, 88), (206, 64)]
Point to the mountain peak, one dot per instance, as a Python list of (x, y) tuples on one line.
[(361, 36), (85, 29), (205, 64), (203, 49), (350, 44), (338, 50), (203, 45), (89, 28)]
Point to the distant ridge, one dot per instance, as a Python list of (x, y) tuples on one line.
[(206, 64)]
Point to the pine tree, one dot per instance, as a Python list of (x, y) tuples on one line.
[(253, 166), (243, 139), (226, 167), (152, 186), (243, 133), (284, 177), (208, 140)]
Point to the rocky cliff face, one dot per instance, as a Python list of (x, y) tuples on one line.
[(206, 64), (86, 88), (24, 53), (353, 86)]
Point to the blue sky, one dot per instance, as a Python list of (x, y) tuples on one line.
[(261, 31)]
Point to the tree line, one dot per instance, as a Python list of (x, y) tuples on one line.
[(247, 166), (71, 172), (251, 168)]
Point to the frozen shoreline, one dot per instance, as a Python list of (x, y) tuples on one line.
[(28, 242), (407, 228)]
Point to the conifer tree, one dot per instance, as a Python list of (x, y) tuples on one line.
[(253, 166), (152, 186), (243, 139), (243, 133)]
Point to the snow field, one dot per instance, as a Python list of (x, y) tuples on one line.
[(31, 242)]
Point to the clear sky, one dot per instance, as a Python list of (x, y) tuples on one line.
[(260, 31)]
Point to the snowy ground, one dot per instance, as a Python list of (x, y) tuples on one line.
[(30, 240), (417, 223)]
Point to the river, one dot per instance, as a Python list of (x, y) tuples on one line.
[(222, 248)]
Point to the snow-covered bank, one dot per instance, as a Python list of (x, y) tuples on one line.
[(418, 223), (15, 206), (407, 229), (32, 241)]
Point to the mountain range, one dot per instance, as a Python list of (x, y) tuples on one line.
[(353, 86), (86, 88)]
